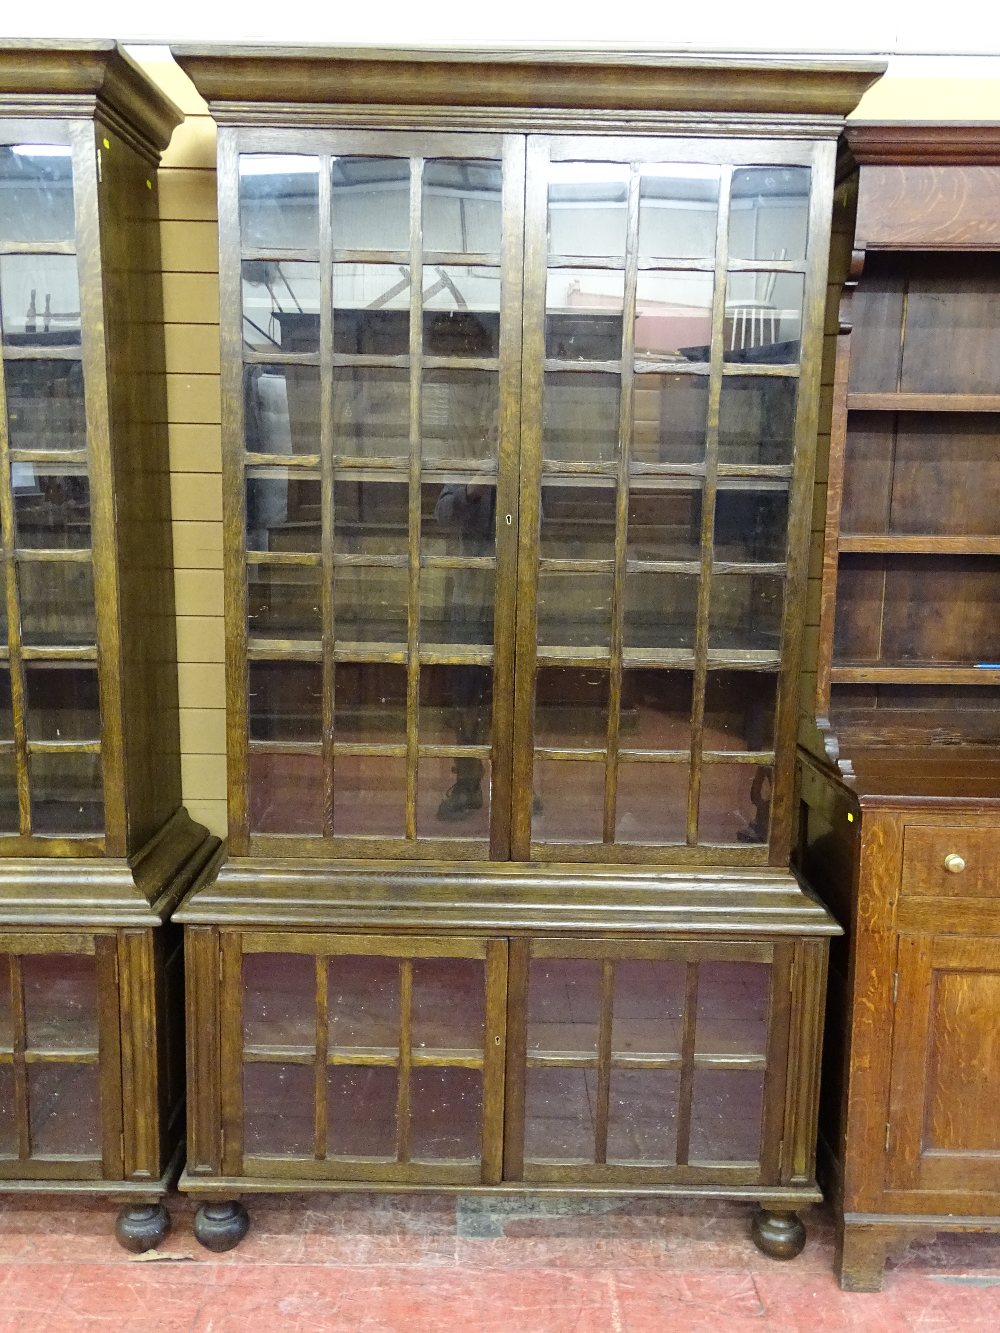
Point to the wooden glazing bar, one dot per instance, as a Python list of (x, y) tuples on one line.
[(761, 371), (360, 748), (60, 653), (557, 753), (651, 365), (654, 756), (670, 475), (19, 1042), (65, 556), (414, 499), (280, 463), (304, 559), (253, 1053), (274, 356), (762, 471), (405, 1059), (663, 566), (372, 360), (307, 650), (579, 367), (277, 254), (554, 655), (747, 659), (662, 657), (749, 567), (322, 1054), (687, 1064), (583, 471), (56, 456), (461, 362), (455, 751), (604, 1060), (327, 444), (343, 1056), (37, 247), (738, 756), (549, 564), (39, 353), (64, 747), (66, 1056), (13, 614)]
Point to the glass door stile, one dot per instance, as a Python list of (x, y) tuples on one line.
[(51, 776)]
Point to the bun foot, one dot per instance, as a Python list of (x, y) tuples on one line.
[(221, 1226), (780, 1235), (141, 1227)]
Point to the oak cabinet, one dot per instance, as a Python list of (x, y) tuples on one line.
[(520, 390)]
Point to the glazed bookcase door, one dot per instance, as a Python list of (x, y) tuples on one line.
[(673, 293), (410, 1030), (371, 330), (60, 1060)]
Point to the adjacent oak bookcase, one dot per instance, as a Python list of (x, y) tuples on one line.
[(520, 390), (95, 848)]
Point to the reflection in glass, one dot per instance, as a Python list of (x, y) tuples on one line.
[(460, 415), (587, 208), (571, 707), (563, 1003), (36, 193), (726, 1111), (453, 796), (369, 703), (678, 211), (763, 318), (732, 1008), (286, 793), (63, 1102), (45, 404), (739, 710), (648, 1010), (63, 702), (371, 412), (655, 710), (371, 203), (669, 414), (456, 606), (574, 610), (369, 796), (279, 1000), (364, 1003), (568, 801), (462, 205), (279, 200), (652, 802), (461, 311), (458, 519), (280, 305), (673, 316), (642, 1116), (757, 419), (370, 604), (664, 524), (580, 418), (661, 609), (373, 1134), (283, 510), (8, 1110), (455, 705), (284, 601), (449, 1004), (746, 611), (370, 517), (57, 602), (282, 407), (751, 524), (9, 816), (371, 313), (6, 1019), (446, 1113), (67, 793), (51, 505), (583, 314), (6, 713), (39, 300), (578, 521), (278, 1115), (769, 213), (559, 1115), (60, 1002), (735, 803), (284, 700)]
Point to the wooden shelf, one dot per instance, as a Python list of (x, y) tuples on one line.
[(923, 402), (907, 543), (915, 675)]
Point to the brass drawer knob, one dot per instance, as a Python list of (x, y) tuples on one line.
[(954, 864)]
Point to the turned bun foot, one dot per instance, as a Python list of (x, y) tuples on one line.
[(221, 1226), (142, 1226), (780, 1235)]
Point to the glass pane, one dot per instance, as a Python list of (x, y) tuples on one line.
[(735, 803), (461, 311), (370, 703), (678, 211), (567, 801), (278, 1110), (370, 604), (583, 314), (363, 998), (757, 419), (449, 1004), (655, 710), (563, 1004), (580, 418), (370, 517), (286, 793), (453, 797), (280, 305), (458, 518), (456, 606), (6, 1024), (732, 1008), (369, 796), (739, 710), (587, 208), (751, 524), (39, 300), (279, 1000), (63, 1103), (6, 712), (8, 1112), (769, 213), (373, 1134), (664, 524), (460, 415), (60, 1002), (282, 405), (371, 309), (660, 609), (51, 505), (669, 414), (673, 316), (36, 193), (285, 701), (446, 1114), (648, 1013), (283, 511), (642, 1116), (67, 793), (371, 203), (45, 404), (284, 601), (726, 1111), (559, 1116), (9, 818), (578, 521), (462, 205), (746, 611), (574, 610), (371, 412), (455, 705), (763, 318), (63, 702), (571, 707), (652, 802), (279, 200)]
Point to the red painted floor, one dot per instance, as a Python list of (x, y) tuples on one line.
[(426, 1264)]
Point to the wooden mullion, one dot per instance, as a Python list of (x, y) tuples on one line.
[(617, 642), (14, 650), (326, 448), (708, 504), (19, 1041), (322, 1052), (686, 1092), (64, 352), (413, 543), (405, 1060), (604, 1061)]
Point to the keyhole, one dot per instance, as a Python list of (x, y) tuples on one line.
[(509, 520)]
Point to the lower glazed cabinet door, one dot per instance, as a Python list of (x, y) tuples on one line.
[(60, 1056), (363, 1057)]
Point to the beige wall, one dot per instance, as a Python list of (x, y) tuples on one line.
[(190, 285)]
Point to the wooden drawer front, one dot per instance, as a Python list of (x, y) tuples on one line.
[(924, 854)]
